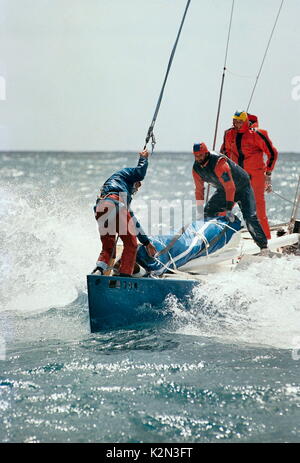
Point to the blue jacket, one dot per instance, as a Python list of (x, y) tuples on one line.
[(123, 180)]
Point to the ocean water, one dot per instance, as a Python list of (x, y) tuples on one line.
[(225, 370)]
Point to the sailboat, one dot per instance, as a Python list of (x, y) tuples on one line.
[(184, 260), (115, 301)]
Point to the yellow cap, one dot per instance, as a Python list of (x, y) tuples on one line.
[(240, 116)]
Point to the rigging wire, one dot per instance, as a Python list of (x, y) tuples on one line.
[(222, 86), (265, 54), (257, 77), (296, 202), (223, 76), (282, 197), (150, 133), (242, 76)]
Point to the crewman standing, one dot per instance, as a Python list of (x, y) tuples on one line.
[(246, 144)]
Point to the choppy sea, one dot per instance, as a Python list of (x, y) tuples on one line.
[(228, 370)]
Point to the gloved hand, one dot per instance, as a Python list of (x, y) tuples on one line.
[(230, 216), (144, 154), (151, 249), (268, 183)]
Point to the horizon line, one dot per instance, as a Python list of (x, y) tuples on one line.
[(111, 151)]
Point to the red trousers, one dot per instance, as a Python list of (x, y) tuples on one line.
[(258, 185), (119, 222)]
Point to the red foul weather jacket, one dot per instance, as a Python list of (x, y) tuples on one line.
[(247, 147)]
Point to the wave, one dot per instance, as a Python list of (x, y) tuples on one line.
[(258, 305), (47, 244)]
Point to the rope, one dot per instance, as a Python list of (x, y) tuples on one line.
[(282, 197), (240, 75), (205, 241), (150, 130), (207, 245), (188, 275), (222, 85), (265, 54), (218, 237), (223, 223), (173, 241)]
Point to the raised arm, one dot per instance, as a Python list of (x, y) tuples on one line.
[(138, 173)]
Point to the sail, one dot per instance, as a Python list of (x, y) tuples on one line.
[(199, 239)]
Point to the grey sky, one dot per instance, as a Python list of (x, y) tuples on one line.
[(86, 74)]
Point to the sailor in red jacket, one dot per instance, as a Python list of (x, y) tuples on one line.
[(246, 145), (232, 185)]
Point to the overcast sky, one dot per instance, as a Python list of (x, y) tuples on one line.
[(86, 74)]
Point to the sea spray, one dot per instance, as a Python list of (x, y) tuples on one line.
[(46, 248), (59, 382), (259, 305)]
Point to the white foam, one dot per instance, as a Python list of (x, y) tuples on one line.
[(47, 246), (257, 305)]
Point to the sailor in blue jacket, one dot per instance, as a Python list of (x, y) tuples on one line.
[(114, 216)]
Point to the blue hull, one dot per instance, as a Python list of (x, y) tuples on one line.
[(116, 302)]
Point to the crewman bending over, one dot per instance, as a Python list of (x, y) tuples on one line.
[(114, 216), (232, 185)]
